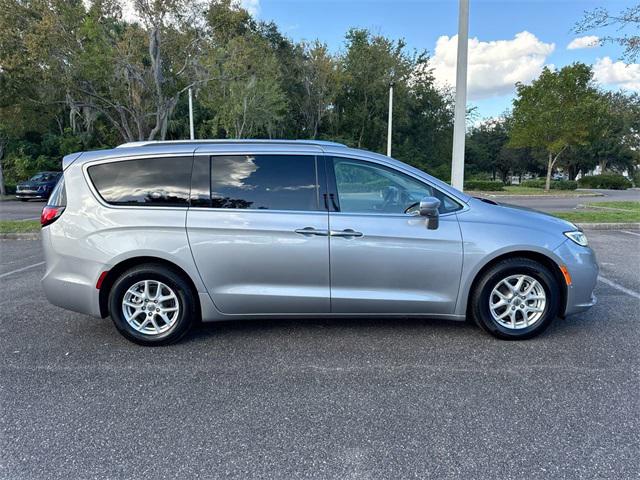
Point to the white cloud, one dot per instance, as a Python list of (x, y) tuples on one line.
[(251, 6), (617, 74), (494, 67), (589, 41)]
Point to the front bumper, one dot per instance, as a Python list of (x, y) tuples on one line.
[(582, 266), (31, 195)]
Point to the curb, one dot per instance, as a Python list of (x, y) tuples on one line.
[(20, 236), (609, 226), (515, 195)]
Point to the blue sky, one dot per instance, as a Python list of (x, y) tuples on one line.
[(499, 54)]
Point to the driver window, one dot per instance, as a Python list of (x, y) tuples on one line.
[(365, 187)]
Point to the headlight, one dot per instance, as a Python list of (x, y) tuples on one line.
[(577, 237)]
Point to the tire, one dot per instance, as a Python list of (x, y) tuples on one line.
[(178, 310), (494, 295)]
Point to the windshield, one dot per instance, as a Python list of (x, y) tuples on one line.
[(43, 177)]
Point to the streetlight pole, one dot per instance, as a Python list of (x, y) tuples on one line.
[(390, 120), (459, 122), (191, 134)]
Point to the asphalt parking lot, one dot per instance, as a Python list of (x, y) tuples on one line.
[(15, 210), (321, 399)]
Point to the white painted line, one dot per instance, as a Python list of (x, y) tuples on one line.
[(21, 269), (631, 233), (619, 287)]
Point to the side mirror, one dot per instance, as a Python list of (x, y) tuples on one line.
[(429, 208)]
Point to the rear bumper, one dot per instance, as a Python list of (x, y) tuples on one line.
[(69, 282), (582, 266)]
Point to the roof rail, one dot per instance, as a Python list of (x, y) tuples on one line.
[(147, 143)]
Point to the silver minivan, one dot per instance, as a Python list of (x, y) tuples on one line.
[(160, 235)]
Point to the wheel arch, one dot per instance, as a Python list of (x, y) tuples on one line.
[(124, 265), (539, 257)]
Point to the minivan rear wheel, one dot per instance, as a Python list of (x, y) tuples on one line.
[(152, 305), (516, 299)]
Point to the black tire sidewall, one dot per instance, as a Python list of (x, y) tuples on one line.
[(503, 270), (169, 278)]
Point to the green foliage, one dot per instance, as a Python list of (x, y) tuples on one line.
[(78, 75), (609, 181), (484, 185), (555, 184)]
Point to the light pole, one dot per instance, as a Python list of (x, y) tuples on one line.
[(459, 121), (191, 134), (390, 120)]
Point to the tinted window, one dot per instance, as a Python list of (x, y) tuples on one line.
[(274, 182), (365, 187), (162, 182)]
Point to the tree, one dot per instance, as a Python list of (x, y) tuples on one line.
[(485, 144), (245, 96), (369, 65), (554, 112), (320, 81), (627, 24)]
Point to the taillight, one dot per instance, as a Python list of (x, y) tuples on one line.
[(50, 214)]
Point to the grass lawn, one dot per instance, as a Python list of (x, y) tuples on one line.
[(631, 206), (518, 190), (605, 212), (19, 226)]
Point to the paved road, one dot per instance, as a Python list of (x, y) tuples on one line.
[(320, 399), (554, 204), (14, 210)]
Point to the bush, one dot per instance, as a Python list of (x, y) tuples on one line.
[(10, 188), (484, 185), (555, 184), (535, 183), (564, 185), (610, 181)]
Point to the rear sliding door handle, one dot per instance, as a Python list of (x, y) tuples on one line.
[(308, 231), (347, 233)]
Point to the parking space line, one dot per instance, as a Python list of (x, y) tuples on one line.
[(631, 233), (619, 287), (21, 269)]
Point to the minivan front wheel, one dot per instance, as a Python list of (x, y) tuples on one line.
[(515, 299), (152, 305)]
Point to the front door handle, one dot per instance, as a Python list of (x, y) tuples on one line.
[(308, 231), (346, 233)]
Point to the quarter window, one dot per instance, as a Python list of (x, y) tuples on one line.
[(364, 187), (154, 182), (266, 182)]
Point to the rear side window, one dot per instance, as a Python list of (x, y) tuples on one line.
[(58, 197), (154, 182), (265, 182)]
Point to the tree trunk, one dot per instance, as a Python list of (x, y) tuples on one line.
[(547, 184), (3, 190), (603, 165)]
